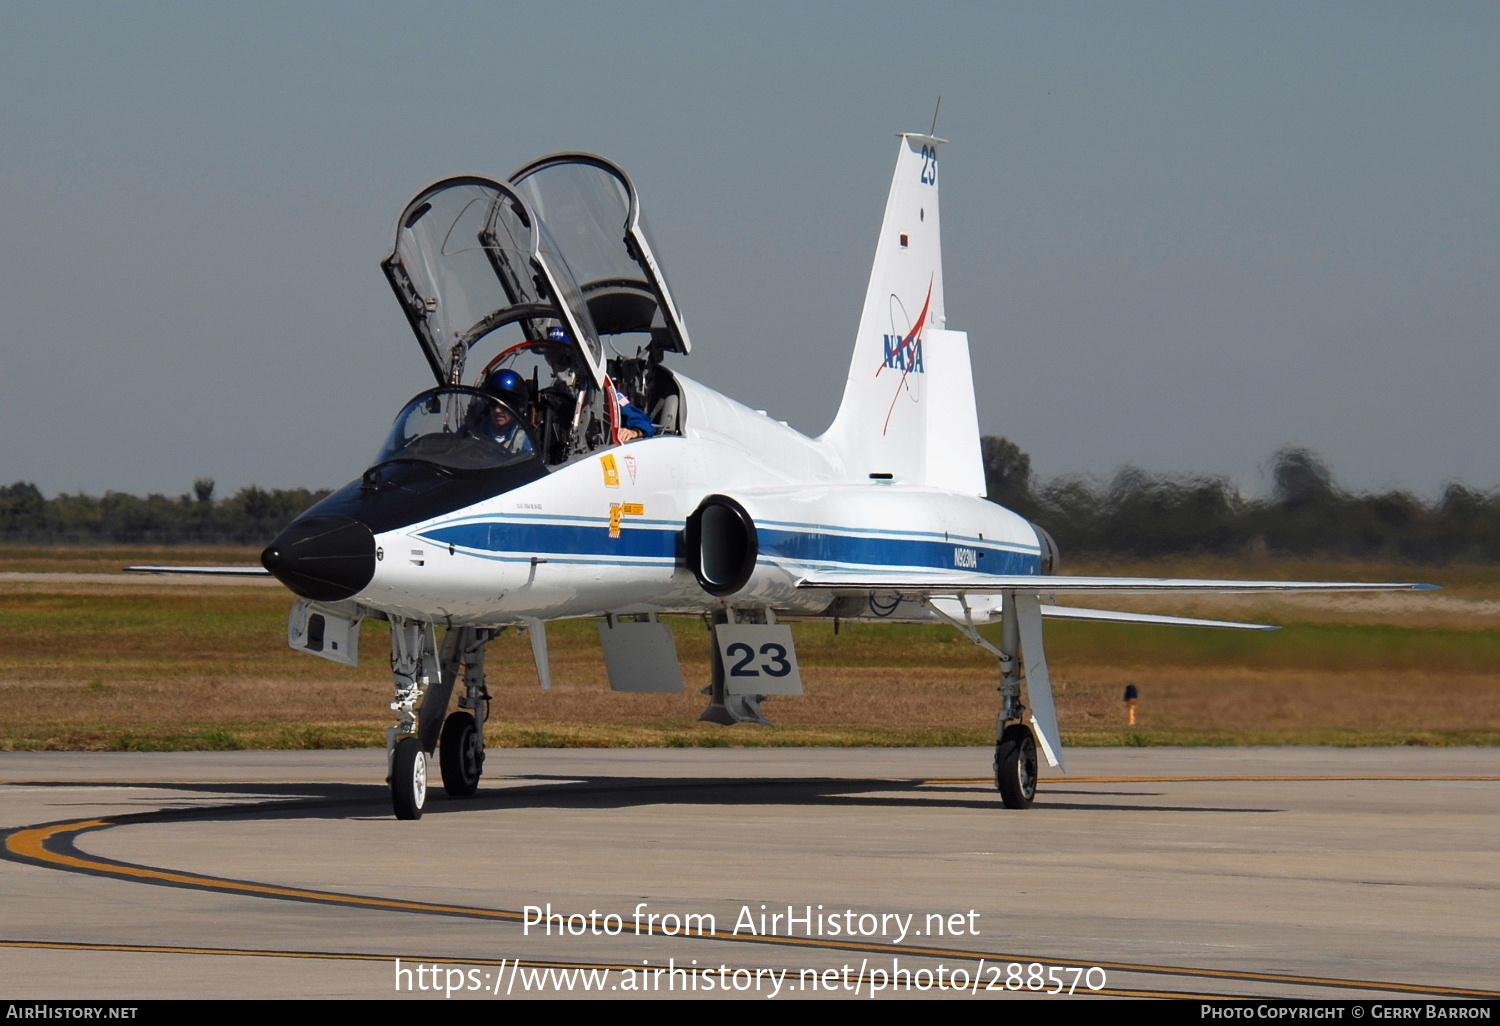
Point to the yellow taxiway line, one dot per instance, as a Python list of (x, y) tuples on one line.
[(34, 844)]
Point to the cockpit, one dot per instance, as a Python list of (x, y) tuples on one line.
[(551, 276), (458, 429)]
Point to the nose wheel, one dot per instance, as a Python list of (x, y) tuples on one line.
[(409, 778)]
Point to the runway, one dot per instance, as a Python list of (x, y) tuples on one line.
[(1324, 873)]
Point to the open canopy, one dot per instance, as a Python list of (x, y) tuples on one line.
[(561, 246), (592, 214), (469, 259)]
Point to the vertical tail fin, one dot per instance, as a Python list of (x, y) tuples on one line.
[(908, 408)]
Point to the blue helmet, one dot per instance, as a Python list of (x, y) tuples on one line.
[(507, 386), (558, 335)]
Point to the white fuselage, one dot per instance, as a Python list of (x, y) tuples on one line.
[(604, 534)]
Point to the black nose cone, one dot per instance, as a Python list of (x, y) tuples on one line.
[(324, 558)]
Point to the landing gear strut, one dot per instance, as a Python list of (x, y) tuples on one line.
[(1015, 744), (461, 747), (723, 707)]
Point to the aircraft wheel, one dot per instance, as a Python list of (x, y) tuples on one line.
[(1015, 766), (409, 778), (460, 756)]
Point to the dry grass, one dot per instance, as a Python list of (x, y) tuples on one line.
[(843, 706), (138, 664)]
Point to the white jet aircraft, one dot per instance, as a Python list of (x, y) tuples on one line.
[(511, 499)]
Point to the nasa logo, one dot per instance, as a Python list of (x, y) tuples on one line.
[(904, 354)]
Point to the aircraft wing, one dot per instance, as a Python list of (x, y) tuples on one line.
[(941, 588), (938, 582), (1112, 616), (202, 571)]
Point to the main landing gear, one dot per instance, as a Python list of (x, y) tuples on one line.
[(1015, 744), (424, 679), (1015, 766), (1015, 741)]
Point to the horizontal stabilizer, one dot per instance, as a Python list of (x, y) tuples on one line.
[(202, 571), (1112, 616), (939, 582)]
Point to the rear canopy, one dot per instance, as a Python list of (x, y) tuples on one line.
[(592, 213)]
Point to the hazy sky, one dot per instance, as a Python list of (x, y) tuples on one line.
[(1180, 235)]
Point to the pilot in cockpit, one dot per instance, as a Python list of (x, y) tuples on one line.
[(634, 422), (500, 424)]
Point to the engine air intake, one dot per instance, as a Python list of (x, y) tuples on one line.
[(722, 545)]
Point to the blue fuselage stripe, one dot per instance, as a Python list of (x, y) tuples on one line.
[(524, 539), (821, 547), (535, 539)]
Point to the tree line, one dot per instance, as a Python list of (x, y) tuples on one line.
[(252, 516), (1137, 514), (1134, 514)]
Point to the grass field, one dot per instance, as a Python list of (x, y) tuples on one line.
[(135, 663)]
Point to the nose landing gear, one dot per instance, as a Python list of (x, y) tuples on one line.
[(424, 681)]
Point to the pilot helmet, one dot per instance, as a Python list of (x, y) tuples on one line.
[(509, 387), (558, 335)]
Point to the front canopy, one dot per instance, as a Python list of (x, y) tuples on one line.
[(457, 429), (470, 258)]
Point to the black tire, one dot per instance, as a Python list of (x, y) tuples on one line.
[(1015, 766), (409, 778), (460, 756)]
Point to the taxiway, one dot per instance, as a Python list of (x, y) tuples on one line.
[(1274, 871)]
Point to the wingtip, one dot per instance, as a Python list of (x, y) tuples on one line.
[(200, 571)]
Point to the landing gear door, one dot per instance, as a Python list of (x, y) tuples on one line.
[(589, 207), (640, 656), (322, 631)]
